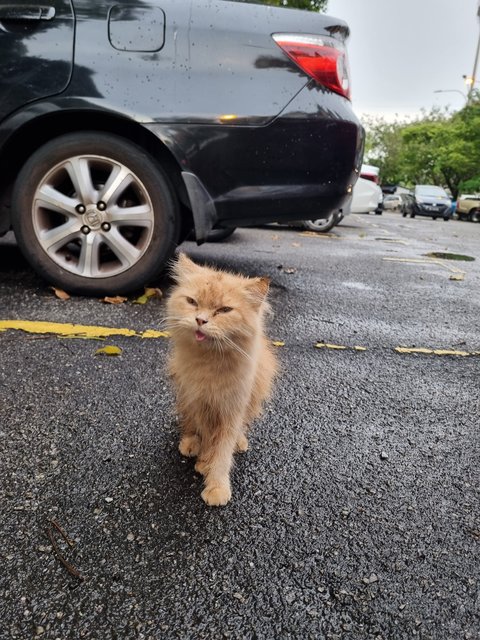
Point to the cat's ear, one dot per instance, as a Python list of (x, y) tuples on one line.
[(183, 267), (257, 289)]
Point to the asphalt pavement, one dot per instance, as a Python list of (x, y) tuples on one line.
[(355, 514)]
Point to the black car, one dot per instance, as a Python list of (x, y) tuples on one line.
[(126, 125), (432, 201), (408, 204)]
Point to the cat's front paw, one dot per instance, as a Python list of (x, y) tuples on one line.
[(189, 446), (217, 496)]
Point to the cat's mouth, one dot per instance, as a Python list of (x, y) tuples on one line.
[(200, 336)]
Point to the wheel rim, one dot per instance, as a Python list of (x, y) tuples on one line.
[(321, 223), (93, 216)]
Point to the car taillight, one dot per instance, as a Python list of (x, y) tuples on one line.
[(321, 57)]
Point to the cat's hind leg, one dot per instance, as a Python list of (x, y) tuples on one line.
[(201, 466), (242, 443)]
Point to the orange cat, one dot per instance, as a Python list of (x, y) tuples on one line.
[(222, 366)]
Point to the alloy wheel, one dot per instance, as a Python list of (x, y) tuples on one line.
[(93, 216)]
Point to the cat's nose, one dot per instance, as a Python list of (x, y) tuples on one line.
[(201, 320)]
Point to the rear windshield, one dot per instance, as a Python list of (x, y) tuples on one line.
[(431, 191)]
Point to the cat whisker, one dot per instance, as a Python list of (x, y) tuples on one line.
[(177, 323), (236, 347), (245, 331)]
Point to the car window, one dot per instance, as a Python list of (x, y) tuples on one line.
[(430, 191)]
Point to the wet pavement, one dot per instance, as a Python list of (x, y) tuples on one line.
[(356, 512)]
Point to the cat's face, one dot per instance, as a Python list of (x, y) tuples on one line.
[(211, 307)]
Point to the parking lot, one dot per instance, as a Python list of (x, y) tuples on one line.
[(355, 514)]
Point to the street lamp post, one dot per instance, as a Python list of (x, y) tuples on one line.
[(475, 64), (465, 97)]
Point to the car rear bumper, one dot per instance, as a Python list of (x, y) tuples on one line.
[(302, 165)]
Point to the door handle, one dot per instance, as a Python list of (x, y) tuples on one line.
[(25, 12)]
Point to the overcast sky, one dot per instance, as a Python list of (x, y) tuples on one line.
[(401, 51)]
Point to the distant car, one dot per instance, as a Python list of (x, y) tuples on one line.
[(468, 207), (432, 201), (393, 202), (367, 197), (408, 202), (370, 172), (126, 125)]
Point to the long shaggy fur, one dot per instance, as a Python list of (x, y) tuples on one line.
[(221, 364)]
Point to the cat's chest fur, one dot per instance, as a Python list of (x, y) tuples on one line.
[(207, 372)]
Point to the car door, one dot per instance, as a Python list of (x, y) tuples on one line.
[(36, 50)]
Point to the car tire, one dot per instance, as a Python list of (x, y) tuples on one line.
[(434, 217), (475, 215), (446, 218), (412, 215), (94, 214), (322, 225)]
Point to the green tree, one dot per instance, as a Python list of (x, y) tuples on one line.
[(443, 151), (438, 148), (382, 147)]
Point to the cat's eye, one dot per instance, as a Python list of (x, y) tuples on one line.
[(192, 301), (224, 310)]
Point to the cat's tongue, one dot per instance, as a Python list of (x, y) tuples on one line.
[(199, 336)]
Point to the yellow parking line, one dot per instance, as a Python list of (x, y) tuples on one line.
[(436, 352), (67, 330), (338, 347), (318, 234), (76, 330), (448, 267)]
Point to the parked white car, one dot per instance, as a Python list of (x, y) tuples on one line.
[(367, 196), (393, 202)]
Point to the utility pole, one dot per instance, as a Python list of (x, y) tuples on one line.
[(475, 64)]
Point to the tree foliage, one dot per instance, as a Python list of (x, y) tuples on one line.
[(438, 148)]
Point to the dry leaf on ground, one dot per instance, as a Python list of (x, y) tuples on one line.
[(114, 299), (109, 350), (61, 295), (150, 292)]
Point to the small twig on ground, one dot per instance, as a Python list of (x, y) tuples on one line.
[(69, 541), (69, 567)]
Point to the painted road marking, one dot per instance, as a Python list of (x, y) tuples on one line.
[(318, 234), (67, 330), (338, 347), (436, 352), (426, 261), (76, 330)]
